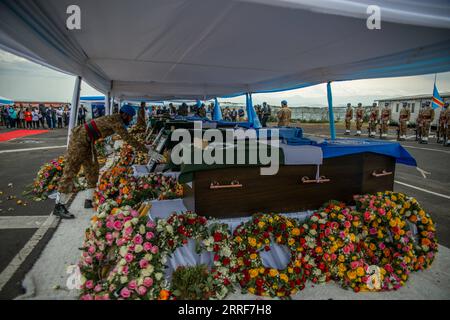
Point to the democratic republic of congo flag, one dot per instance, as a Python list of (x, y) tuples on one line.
[(436, 101)]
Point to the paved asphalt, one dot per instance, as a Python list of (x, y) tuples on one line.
[(19, 168)]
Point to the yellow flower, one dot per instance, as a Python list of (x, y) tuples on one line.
[(342, 267), (341, 258), (289, 224), (261, 270), (273, 272), (424, 220), (251, 290), (238, 239), (360, 271), (280, 294), (252, 241), (253, 256), (290, 270), (351, 275), (284, 277), (261, 224), (352, 237), (291, 241), (297, 263), (253, 273), (296, 231)]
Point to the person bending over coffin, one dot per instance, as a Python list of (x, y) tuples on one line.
[(81, 151)]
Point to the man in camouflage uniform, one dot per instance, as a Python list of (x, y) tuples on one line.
[(403, 120), (427, 116), (348, 118), (284, 115), (81, 152), (447, 127), (441, 124), (373, 120), (359, 118), (141, 117), (385, 118)]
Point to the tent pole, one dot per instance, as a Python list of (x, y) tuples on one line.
[(330, 111), (108, 103), (74, 107)]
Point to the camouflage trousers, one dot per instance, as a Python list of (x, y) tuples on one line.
[(373, 127), (384, 127), (81, 152), (359, 123), (441, 130), (347, 124), (425, 129), (403, 127)]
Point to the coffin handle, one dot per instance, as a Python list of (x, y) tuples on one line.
[(216, 185), (322, 179), (382, 174)]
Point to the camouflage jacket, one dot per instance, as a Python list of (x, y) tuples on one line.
[(109, 125)]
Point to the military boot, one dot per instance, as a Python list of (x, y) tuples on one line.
[(61, 211)]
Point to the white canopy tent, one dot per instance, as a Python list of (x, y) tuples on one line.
[(202, 49)]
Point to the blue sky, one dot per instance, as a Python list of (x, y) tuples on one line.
[(21, 79)]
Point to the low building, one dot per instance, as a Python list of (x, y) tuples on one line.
[(35, 104), (414, 104)]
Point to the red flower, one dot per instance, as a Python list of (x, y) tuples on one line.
[(216, 257), (217, 236), (226, 261), (259, 282), (283, 226), (267, 248), (226, 282), (170, 242)]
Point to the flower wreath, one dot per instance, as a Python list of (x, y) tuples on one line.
[(388, 242), (425, 246), (174, 232), (255, 235), (332, 240), (119, 257)]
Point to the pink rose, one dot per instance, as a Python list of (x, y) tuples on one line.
[(354, 264), (346, 249), (98, 288), (333, 256), (381, 246), (149, 235), (125, 293), (88, 260), (134, 213), (150, 224), (367, 215), (129, 257), (154, 250), (109, 236), (381, 211), (110, 224), (148, 282), (87, 297), (118, 225), (373, 231), (132, 285), (143, 263), (128, 231), (138, 239), (142, 290), (125, 270), (147, 246), (347, 224), (91, 249), (89, 284), (388, 268)]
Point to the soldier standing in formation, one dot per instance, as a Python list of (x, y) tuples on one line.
[(284, 115), (348, 118), (441, 125), (403, 120), (373, 120), (447, 126), (359, 118), (385, 118), (427, 116)]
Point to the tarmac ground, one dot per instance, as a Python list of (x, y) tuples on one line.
[(26, 230)]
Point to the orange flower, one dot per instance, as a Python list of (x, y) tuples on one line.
[(318, 250), (426, 242), (413, 218), (164, 295)]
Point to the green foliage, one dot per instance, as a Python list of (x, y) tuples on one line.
[(192, 283)]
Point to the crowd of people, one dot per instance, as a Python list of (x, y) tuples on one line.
[(28, 117)]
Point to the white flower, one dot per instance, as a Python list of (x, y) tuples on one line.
[(169, 228), (122, 262), (313, 232), (135, 221), (138, 248), (314, 218), (148, 257), (127, 224), (163, 260), (142, 229), (226, 251), (123, 251), (123, 279), (158, 276), (150, 269)]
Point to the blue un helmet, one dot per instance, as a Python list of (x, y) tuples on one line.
[(284, 103), (128, 109)]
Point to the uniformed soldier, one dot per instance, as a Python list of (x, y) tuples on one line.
[(141, 117), (81, 151), (284, 115), (405, 115), (359, 118), (385, 118), (373, 120), (427, 118), (348, 118), (442, 123), (201, 112), (447, 127)]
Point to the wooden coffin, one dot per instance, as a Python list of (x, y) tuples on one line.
[(235, 192)]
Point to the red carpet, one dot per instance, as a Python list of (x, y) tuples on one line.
[(19, 134)]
